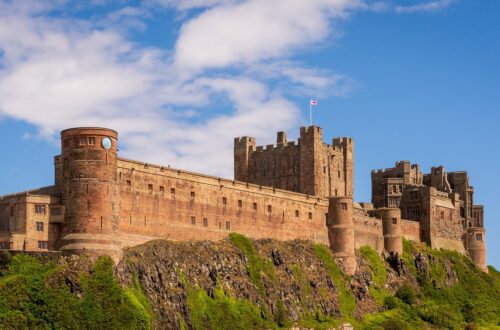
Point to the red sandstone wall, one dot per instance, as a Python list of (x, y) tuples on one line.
[(410, 230), (367, 231), (148, 211)]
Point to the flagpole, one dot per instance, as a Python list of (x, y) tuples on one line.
[(310, 114)]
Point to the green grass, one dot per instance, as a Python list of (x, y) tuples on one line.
[(378, 271), (36, 295), (347, 303), (255, 266)]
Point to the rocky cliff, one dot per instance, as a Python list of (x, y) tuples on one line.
[(243, 284)]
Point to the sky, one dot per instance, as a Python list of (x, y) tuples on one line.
[(414, 80)]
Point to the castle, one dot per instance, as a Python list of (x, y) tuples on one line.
[(101, 203)]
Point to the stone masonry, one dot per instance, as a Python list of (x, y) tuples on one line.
[(101, 203)]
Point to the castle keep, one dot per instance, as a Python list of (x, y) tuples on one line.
[(101, 203)]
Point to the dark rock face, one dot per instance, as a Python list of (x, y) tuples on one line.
[(297, 280)]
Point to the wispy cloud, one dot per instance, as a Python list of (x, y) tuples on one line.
[(231, 72), (430, 6)]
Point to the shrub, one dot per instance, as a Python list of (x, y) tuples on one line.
[(390, 302), (406, 293), (394, 324)]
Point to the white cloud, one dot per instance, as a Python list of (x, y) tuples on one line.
[(256, 30), (63, 72), (430, 6)]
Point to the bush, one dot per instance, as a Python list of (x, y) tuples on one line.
[(390, 302), (394, 324), (442, 316), (406, 293)]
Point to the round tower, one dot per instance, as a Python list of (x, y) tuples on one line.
[(341, 231), (89, 194), (476, 246), (391, 226)]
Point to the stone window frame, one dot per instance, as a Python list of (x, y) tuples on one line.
[(479, 237), (269, 209), (162, 189), (297, 213), (224, 200), (228, 225), (39, 226), (205, 222), (91, 140), (192, 195), (240, 203), (255, 206), (343, 206), (40, 209), (193, 220), (394, 221), (43, 244), (310, 216)]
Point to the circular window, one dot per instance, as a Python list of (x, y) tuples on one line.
[(106, 143)]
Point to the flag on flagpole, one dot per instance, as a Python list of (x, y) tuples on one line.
[(313, 102)]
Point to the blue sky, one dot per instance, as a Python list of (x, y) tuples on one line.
[(415, 80)]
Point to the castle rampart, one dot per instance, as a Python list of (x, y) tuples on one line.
[(101, 203)]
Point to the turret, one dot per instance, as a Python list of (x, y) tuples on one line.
[(311, 168), (341, 231), (391, 224), (243, 147), (347, 145), (476, 246), (89, 167)]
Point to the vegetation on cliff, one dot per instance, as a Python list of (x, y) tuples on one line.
[(41, 295), (246, 284)]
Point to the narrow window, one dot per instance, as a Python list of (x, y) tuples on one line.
[(394, 221), (205, 222), (479, 237), (39, 209), (39, 226), (220, 225), (255, 206), (228, 225), (224, 200), (269, 209), (162, 189), (310, 215), (172, 191), (150, 187), (338, 173), (43, 244), (192, 194), (83, 141), (344, 206), (129, 183), (91, 140), (193, 221), (297, 214), (336, 192), (56, 211), (240, 203)]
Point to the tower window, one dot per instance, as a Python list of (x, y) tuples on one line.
[(343, 206), (269, 209), (224, 200), (193, 194), (162, 189), (479, 237), (83, 141), (310, 215), (39, 226), (228, 225), (394, 221), (91, 140), (255, 206), (297, 213), (40, 209), (55, 211), (129, 183), (172, 191), (240, 203), (43, 244), (193, 221), (205, 222), (150, 187)]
